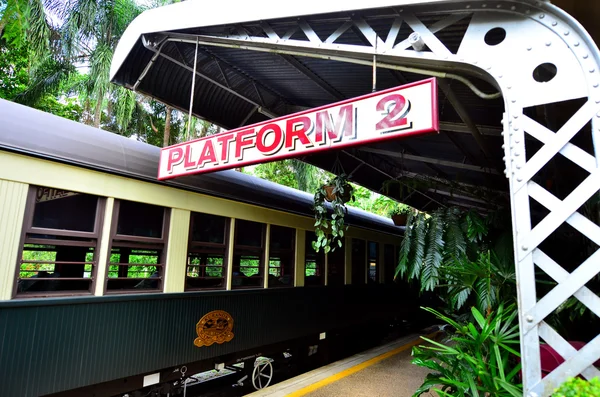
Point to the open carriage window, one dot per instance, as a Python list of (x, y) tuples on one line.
[(207, 249), (281, 256), (359, 257), (314, 262), (373, 263), (248, 255), (138, 247), (336, 266), (58, 255)]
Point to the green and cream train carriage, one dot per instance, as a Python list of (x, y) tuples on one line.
[(111, 281)]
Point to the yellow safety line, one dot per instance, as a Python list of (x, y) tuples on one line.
[(334, 378)]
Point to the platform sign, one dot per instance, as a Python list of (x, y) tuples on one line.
[(391, 114)]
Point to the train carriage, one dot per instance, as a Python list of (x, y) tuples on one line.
[(113, 282)]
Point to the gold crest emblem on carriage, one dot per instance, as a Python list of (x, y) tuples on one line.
[(214, 327)]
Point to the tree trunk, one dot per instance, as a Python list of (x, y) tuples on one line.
[(98, 112), (167, 136)]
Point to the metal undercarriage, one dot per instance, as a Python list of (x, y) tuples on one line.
[(520, 112)]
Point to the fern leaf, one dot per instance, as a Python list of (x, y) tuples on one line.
[(434, 255), (405, 248), (419, 241)]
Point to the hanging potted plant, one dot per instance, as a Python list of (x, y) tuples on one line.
[(399, 214), (330, 230)]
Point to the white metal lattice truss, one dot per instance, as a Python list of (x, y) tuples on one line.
[(537, 33)]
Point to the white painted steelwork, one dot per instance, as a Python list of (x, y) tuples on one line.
[(536, 34)]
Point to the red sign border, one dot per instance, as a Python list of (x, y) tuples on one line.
[(435, 128)]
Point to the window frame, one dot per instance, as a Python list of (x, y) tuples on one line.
[(195, 247), (137, 242), (322, 268), (28, 228), (376, 260), (249, 250), (289, 251)]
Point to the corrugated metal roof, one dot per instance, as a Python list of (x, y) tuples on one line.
[(282, 84)]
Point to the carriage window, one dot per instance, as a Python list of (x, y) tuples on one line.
[(373, 275), (248, 255), (358, 261), (314, 262), (207, 250), (336, 266), (139, 219), (137, 247), (389, 258), (281, 256), (58, 255)]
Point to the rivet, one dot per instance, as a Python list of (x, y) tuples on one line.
[(514, 101), (592, 70), (596, 85), (548, 43), (509, 87), (484, 5), (566, 33), (513, 8), (529, 48), (585, 56), (515, 116), (518, 166), (511, 147), (519, 179), (576, 44), (542, 16), (468, 6), (598, 100), (499, 6), (517, 154), (517, 141), (529, 318), (554, 23), (488, 68), (500, 76), (598, 114)]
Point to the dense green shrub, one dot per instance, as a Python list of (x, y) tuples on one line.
[(577, 387), (480, 359)]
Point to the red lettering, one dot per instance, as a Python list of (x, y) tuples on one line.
[(208, 154), (175, 157), (292, 132), (225, 140), (277, 139), (241, 143), (343, 125), (188, 163), (395, 108)]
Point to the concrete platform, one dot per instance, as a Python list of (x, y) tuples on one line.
[(382, 371)]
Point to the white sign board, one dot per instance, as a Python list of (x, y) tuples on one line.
[(391, 114)]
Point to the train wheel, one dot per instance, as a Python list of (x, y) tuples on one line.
[(262, 373)]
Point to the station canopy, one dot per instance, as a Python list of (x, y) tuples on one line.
[(243, 76)]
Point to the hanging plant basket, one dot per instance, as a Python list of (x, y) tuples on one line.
[(331, 196), (400, 219)]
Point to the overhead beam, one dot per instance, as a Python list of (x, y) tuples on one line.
[(464, 129), (428, 160), (299, 66), (464, 116), (261, 109)]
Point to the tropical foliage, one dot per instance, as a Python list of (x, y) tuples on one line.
[(329, 231), (577, 387), (479, 359)]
